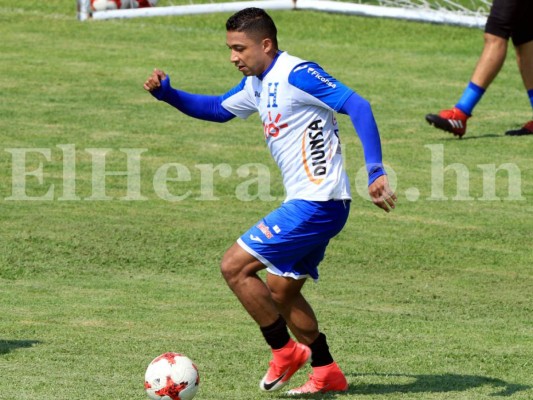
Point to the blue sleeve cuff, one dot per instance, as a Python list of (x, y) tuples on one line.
[(162, 90), (374, 172)]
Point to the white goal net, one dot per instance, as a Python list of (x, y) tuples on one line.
[(470, 13)]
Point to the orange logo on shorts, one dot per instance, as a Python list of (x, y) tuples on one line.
[(266, 230)]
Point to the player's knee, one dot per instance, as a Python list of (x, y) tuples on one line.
[(237, 265), (231, 267), (227, 268), (285, 291), (495, 41), (279, 299), (280, 296)]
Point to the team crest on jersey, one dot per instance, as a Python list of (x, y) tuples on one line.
[(315, 152), (272, 94)]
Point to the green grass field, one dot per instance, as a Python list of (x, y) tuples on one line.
[(433, 301)]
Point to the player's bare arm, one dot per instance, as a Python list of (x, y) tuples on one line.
[(154, 80), (382, 195)]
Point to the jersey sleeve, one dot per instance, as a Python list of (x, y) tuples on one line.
[(312, 79), (239, 100)]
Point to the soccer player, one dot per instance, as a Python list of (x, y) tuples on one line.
[(296, 101), (507, 19)]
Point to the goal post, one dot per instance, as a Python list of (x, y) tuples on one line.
[(421, 11), (190, 9), (468, 13)]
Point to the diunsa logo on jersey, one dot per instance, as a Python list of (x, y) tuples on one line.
[(315, 152), (321, 78)]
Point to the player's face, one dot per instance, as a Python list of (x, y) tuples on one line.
[(249, 55)]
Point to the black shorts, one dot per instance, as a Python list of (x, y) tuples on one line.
[(511, 19)]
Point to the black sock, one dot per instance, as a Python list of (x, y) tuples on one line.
[(276, 335), (321, 354)]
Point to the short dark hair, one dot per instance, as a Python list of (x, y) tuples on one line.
[(255, 22)]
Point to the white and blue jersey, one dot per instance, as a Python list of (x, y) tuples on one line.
[(296, 101)]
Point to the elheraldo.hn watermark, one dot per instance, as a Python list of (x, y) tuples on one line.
[(172, 181)]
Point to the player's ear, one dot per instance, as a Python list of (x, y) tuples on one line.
[(268, 45)]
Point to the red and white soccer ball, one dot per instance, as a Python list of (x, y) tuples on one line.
[(103, 5), (171, 376)]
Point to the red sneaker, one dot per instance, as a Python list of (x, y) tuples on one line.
[(527, 129), (453, 121), (285, 362), (328, 378)]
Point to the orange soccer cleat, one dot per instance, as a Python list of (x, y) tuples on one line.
[(285, 362), (328, 378)]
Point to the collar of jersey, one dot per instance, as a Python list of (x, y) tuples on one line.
[(261, 76)]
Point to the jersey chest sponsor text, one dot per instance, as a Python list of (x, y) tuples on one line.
[(315, 152)]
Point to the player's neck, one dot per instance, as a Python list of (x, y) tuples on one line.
[(272, 61)]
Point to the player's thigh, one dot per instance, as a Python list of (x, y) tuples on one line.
[(502, 17), (523, 24)]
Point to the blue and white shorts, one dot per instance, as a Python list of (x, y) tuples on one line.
[(291, 241)]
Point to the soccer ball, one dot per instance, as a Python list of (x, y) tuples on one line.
[(103, 5), (171, 376)]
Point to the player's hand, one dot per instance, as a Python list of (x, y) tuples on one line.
[(154, 81), (382, 195)]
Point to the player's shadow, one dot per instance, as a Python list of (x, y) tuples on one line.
[(6, 346), (386, 384), (472, 137), (431, 384)]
